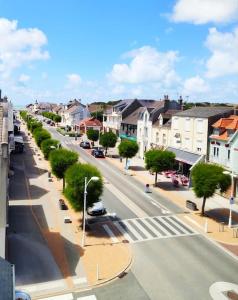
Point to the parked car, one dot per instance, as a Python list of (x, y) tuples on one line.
[(98, 153), (85, 145), (67, 220), (62, 204), (97, 209)]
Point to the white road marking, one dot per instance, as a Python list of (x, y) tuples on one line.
[(60, 297), (91, 297), (32, 288), (125, 200), (160, 229), (110, 233), (79, 280), (218, 289)]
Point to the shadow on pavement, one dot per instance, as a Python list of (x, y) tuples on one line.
[(222, 215), (39, 255)]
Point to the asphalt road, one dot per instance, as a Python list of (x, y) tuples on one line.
[(178, 267)]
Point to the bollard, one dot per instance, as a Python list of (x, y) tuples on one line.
[(49, 174), (235, 232), (221, 227), (97, 272)]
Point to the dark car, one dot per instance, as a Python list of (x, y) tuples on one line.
[(97, 209), (98, 153), (85, 145), (62, 204)]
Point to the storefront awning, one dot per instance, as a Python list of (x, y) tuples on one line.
[(185, 156), (131, 138)]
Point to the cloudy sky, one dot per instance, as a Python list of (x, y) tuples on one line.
[(107, 50)]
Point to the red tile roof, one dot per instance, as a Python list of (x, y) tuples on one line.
[(90, 122)]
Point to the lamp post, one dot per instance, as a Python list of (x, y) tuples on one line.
[(86, 183), (231, 196)]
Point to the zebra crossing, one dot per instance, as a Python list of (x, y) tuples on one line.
[(149, 228)]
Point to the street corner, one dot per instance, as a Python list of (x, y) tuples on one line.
[(104, 258), (213, 228)]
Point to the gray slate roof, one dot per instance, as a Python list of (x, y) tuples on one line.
[(184, 156), (203, 112), (6, 280)]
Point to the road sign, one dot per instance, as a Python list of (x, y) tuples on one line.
[(231, 200)]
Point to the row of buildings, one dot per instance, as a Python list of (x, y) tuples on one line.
[(6, 146), (194, 135)]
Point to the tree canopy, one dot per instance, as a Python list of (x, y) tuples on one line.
[(47, 146), (108, 140), (92, 134), (206, 179), (158, 161), (40, 135), (75, 180), (128, 149), (61, 160)]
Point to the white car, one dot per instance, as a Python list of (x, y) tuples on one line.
[(97, 209)]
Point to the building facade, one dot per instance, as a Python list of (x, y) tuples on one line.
[(224, 147)]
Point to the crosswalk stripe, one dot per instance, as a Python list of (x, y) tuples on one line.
[(145, 229), (180, 222), (177, 225), (149, 228), (152, 227), (123, 231), (110, 233), (60, 297), (91, 297), (133, 229)]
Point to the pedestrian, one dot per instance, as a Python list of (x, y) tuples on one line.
[(147, 188)]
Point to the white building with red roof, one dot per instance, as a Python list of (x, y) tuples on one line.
[(89, 123), (224, 146)]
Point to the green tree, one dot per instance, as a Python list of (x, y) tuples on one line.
[(159, 161), (98, 115), (108, 140), (206, 179), (60, 161), (128, 149), (47, 146), (57, 119), (75, 180), (92, 134), (40, 135)]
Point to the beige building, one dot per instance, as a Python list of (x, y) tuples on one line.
[(190, 130)]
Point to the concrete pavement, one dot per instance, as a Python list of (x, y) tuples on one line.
[(217, 208), (98, 262)]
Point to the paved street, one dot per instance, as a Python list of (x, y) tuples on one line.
[(181, 267)]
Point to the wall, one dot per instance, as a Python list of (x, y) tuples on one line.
[(192, 134)]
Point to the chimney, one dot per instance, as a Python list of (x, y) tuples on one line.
[(166, 102), (180, 101)]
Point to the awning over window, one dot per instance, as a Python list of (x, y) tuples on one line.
[(185, 156), (131, 138)]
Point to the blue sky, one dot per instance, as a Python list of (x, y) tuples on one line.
[(107, 50)]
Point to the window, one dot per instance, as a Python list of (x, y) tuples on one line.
[(217, 151), (187, 124), (214, 151), (228, 154), (200, 125), (186, 143), (157, 137), (199, 145), (175, 123), (164, 138)]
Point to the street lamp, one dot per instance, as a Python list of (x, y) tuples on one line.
[(86, 183), (231, 196)]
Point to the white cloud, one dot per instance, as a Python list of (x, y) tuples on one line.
[(147, 65), (73, 80), (204, 11), (23, 78), (195, 86), (224, 48), (19, 46)]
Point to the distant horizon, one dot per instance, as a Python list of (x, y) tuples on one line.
[(123, 49)]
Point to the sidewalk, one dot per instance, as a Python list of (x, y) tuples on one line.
[(217, 208), (100, 260)]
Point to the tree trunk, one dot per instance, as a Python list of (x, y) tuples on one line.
[(106, 152), (156, 175), (63, 184), (203, 205)]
